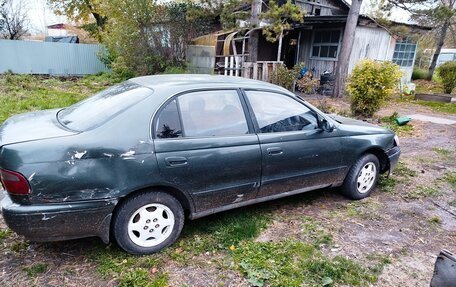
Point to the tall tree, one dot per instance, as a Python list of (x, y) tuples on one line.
[(345, 50), (451, 38), (13, 19), (229, 11), (79, 10), (280, 18), (254, 35), (144, 37), (86, 12), (440, 14)]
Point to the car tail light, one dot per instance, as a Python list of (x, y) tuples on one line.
[(14, 182)]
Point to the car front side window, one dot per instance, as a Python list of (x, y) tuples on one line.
[(212, 113), (280, 113)]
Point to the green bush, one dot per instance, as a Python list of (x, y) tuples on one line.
[(370, 84), (175, 70), (447, 73), (285, 77), (419, 74)]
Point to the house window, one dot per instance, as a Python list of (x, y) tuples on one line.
[(326, 44), (404, 53)]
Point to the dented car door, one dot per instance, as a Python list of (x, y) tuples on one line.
[(203, 145)]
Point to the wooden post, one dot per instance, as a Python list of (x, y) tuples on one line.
[(226, 67), (265, 72)]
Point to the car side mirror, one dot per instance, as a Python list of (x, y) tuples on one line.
[(326, 125)]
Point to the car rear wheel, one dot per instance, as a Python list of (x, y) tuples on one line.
[(362, 177), (147, 222)]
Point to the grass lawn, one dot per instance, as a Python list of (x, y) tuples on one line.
[(428, 87), (432, 87), (449, 108), (24, 93)]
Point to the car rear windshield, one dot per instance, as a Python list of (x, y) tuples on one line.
[(102, 106)]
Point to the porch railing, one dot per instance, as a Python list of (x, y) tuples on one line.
[(260, 70)]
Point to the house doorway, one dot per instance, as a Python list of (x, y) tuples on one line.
[(290, 48)]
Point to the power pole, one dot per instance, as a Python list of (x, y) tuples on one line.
[(345, 50)]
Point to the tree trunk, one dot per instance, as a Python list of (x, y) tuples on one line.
[(100, 20), (254, 35), (440, 42), (345, 50), (279, 49)]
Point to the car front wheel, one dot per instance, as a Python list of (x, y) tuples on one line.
[(148, 222), (362, 177)]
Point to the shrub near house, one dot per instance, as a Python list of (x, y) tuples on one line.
[(370, 84), (447, 73)]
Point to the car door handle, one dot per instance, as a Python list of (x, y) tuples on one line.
[(175, 161), (275, 150)]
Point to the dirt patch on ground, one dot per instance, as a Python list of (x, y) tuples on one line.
[(48, 264), (407, 226), (204, 269)]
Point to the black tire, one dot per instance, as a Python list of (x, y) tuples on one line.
[(351, 188), (154, 201)]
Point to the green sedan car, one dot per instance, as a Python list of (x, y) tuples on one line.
[(135, 160)]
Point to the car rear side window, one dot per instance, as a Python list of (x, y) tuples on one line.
[(168, 123), (102, 106), (212, 113), (280, 113)]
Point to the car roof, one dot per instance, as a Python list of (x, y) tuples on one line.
[(196, 81)]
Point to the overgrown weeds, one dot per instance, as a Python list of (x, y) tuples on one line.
[(35, 269), (421, 191), (402, 173), (294, 263), (219, 232), (4, 233)]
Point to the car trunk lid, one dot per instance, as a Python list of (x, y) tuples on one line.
[(32, 126)]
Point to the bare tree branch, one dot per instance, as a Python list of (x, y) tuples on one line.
[(13, 19)]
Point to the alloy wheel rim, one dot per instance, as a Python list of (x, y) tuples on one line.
[(366, 177), (151, 225)]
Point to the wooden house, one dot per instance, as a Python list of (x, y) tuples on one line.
[(316, 42)]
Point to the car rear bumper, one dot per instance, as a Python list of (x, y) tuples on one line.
[(54, 222), (393, 156)]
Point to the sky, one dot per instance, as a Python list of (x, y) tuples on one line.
[(41, 16)]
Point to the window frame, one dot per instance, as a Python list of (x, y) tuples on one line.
[(326, 44), (317, 115), (399, 60), (156, 115)]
